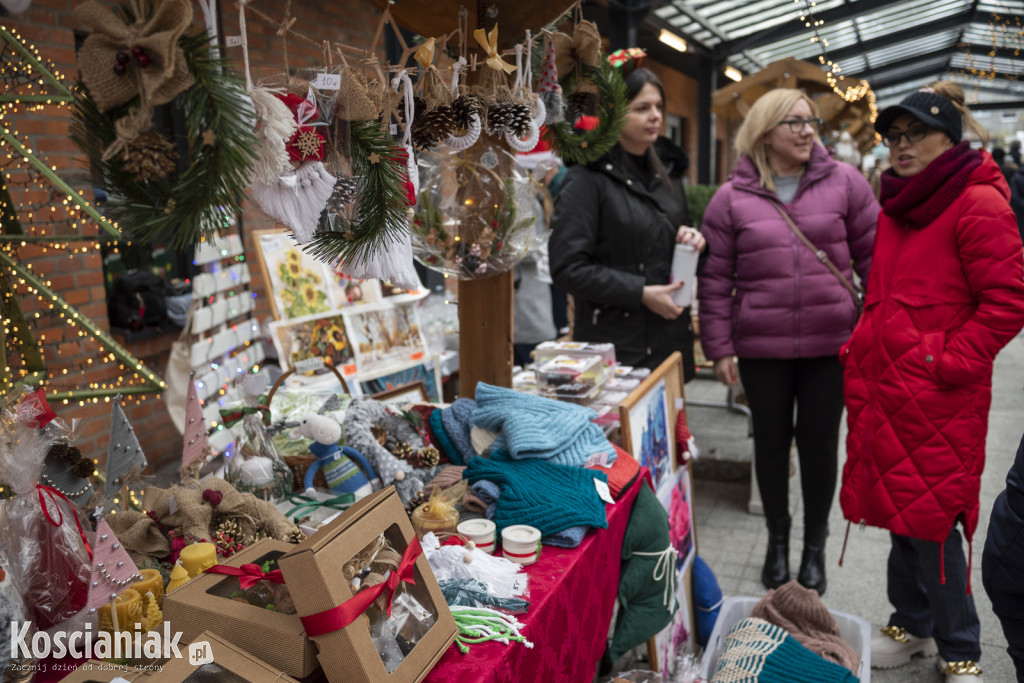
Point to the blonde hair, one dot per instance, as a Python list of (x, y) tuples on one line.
[(765, 114), (952, 91)]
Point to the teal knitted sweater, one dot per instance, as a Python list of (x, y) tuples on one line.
[(549, 497)]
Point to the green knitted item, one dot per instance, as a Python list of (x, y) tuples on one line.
[(756, 651), (447, 447), (548, 497)]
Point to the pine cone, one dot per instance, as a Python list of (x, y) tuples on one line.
[(581, 103), (520, 119), (344, 194), (464, 107), (419, 499), (379, 434), (150, 156), (426, 457), (433, 126), (402, 450), (499, 117)]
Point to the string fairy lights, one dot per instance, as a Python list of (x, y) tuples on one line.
[(51, 216), (833, 72), (1005, 38)]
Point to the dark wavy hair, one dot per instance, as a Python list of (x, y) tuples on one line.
[(635, 82)]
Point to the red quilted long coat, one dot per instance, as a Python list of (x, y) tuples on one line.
[(940, 303)]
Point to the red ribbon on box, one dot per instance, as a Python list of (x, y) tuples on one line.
[(344, 614), (248, 574)]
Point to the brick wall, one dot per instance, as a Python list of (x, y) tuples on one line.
[(50, 26)]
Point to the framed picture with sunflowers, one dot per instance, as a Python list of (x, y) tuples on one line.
[(299, 285), (314, 336)]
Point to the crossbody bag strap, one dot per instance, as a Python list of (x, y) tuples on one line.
[(820, 255)]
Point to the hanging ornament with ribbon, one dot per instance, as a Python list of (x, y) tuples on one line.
[(548, 88), (579, 51), (523, 92), (437, 121)]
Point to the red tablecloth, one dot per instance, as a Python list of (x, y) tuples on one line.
[(572, 595)]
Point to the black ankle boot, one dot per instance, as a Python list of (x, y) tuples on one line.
[(812, 562), (776, 560)]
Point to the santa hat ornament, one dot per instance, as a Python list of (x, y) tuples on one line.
[(196, 446), (548, 88), (125, 460), (686, 445), (540, 159), (298, 199), (113, 571)]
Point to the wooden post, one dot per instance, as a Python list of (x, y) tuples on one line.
[(485, 332)]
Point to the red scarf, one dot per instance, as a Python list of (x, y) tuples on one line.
[(920, 199)]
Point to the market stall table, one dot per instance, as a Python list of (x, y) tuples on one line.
[(572, 595)]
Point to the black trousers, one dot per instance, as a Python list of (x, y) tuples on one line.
[(815, 387), (925, 606)]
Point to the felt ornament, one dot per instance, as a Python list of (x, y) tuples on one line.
[(297, 199), (548, 89), (196, 446), (152, 65), (583, 49), (113, 570), (305, 144), (125, 460)]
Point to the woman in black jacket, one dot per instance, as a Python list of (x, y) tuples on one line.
[(1002, 563), (614, 230)]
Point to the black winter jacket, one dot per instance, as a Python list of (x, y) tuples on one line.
[(611, 236), (1002, 562)]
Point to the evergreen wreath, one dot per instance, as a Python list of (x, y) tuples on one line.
[(382, 213), (215, 161), (588, 146)]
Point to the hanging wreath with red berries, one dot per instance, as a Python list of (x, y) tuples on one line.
[(159, 188)]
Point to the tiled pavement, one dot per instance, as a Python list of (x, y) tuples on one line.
[(732, 540)]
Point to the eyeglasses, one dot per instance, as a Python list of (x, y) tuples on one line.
[(912, 134), (797, 125)]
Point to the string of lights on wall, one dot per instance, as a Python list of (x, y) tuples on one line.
[(50, 215), (833, 72), (1005, 33)]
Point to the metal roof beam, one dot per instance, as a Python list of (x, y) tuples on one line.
[(901, 36), (790, 29), (869, 72), (908, 77)]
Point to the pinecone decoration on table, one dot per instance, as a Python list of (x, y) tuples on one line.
[(379, 434), (433, 126), (499, 118), (415, 502), (150, 156), (401, 450), (344, 194), (520, 119), (464, 107), (426, 457), (581, 103)]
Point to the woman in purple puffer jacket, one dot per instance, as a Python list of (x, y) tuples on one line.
[(770, 309)]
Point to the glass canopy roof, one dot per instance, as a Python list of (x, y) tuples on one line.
[(896, 45)]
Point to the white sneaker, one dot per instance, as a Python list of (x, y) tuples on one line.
[(966, 671), (892, 646)]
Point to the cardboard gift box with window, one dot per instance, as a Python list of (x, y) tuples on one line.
[(254, 618), (368, 596), (215, 659)]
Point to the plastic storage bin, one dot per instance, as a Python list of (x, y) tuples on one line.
[(854, 630)]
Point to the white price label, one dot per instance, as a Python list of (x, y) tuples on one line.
[(599, 459), (309, 365), (603, 491), (327, 81), (393, 129), (519, 585), (233, 41)]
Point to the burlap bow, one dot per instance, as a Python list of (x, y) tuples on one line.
[(161, 80), (582, 49), (489, 43)]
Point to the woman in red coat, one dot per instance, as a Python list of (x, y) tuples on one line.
[(945, 294)]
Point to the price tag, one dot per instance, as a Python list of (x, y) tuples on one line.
[(599, 459), (393, 129), (233, 41), (309, 365), (603, 491), (519, 585), (172, 505), (327, 81)]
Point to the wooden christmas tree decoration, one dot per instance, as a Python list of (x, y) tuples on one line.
[(125, 459), (196, 446), (113, 571)]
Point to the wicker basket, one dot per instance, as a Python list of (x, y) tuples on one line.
[(299, 464)]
